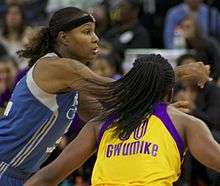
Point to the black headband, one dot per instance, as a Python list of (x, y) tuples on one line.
[(72, 24)]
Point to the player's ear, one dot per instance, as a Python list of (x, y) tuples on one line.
[(62, 38)]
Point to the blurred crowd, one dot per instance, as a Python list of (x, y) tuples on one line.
[(192, 25)]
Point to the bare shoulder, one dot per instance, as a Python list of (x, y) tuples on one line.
[(180, 117), (53, 74), (183, 121), (65, 69), (46, 67), (56, 64)]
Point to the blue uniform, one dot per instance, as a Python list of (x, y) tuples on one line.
[(33, 123)]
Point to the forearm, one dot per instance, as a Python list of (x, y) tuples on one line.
[(201, 143), (88, 107), (55, 172), (72, 157), (50, 175), (85, 72), (87, 82), (214, 158), (41, 178)]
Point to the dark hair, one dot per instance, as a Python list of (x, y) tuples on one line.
[(132, 97), (21, 28), (186, 56), (134, 3), (8, 59), (44, 41)]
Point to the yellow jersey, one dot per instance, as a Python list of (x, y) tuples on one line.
[(151, 156)]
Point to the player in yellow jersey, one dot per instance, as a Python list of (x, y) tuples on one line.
[(142, 139)]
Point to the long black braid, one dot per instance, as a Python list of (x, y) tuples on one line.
[(132, 97)]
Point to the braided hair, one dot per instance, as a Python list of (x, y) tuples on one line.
[(132, 97)]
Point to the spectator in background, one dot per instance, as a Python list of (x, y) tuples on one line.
[(3, 86), (104, 66), (205, 105), (54, 5), (82, 181), (5, 3), (8, 72), (34, 9), (128, 32), (218, 82), (207, 49), (207, 17), (14, 31), (3, 50), (8, 2), (102, 17)]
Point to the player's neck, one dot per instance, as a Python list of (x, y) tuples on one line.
[(65, 54), (62, 53)]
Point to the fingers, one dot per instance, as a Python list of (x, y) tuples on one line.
[(182, 106), (199, 63), (193, 74), (204, 76), (208, 72), (185, 110), (207, 69)]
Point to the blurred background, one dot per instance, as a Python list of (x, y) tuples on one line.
[(184, 32)]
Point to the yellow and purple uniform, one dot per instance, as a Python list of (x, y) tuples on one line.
[(151, 156)]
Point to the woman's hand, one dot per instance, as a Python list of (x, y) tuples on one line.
[(193, 74)]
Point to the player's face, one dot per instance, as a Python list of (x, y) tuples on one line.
[(83, 42)]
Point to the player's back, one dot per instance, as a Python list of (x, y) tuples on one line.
[(150, 156), (33, 121)]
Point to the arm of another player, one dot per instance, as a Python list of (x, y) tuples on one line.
[(72, 157), (78, 75), (88, 107), (201, 143), (91, 87), (84, 80), (56, 75)]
